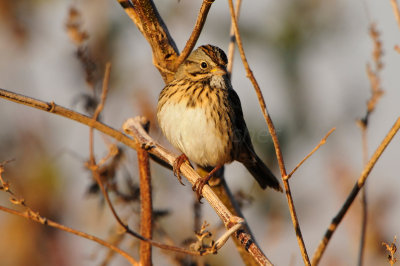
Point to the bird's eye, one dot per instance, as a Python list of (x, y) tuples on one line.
[(203, 65)]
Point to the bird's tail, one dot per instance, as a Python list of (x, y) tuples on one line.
[(261, 173)]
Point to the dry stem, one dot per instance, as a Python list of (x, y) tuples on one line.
[(272, 131), (322, 142), (359, 184)]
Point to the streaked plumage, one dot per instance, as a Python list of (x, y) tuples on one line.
[(201, 115)]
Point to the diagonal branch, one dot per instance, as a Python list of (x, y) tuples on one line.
[(358, 185), (201, 20), (272, 131)]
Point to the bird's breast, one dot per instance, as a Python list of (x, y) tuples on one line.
[(202, 132)]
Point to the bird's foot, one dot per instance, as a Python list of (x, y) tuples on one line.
[(177, 166), (201, 182)]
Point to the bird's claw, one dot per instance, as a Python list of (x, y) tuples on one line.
[(199, 185), (176, 168)]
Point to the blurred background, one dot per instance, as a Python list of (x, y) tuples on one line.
[(309, 57)]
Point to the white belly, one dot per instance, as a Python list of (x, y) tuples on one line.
[(193, 134)]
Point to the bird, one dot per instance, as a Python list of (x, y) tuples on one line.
[(201, 115)]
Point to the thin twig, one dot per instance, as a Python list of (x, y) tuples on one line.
[(358, 185), (322, 142), (201, 19), (272, 131), (146, 208), (104, 91), (231, 48)]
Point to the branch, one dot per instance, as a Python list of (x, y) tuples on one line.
[(201, 19), (146, 17), (272, 131), (359, 184)]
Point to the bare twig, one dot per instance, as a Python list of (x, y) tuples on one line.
[(146, 208), (322, 142), (104, 92), (231, 49), (201, 19), (359, 184), (272, 131)]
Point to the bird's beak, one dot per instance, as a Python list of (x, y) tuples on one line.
[(220, 71)]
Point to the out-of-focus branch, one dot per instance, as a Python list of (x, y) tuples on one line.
[(201, 20), (359, 184), (272, 131), (146, 17)]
